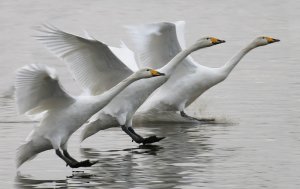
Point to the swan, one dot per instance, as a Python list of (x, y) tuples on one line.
[(38, 90), (155, 48), (84, 56)]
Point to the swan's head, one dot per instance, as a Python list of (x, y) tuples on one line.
[(263, 40), (208, 41), (147, 73)]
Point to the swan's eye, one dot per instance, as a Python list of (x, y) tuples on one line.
[(207, 38), (148, 70)]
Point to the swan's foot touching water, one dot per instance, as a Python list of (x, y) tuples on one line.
[(73, 163), (85, 163), (183, 114), (152, 139), (139, 139)]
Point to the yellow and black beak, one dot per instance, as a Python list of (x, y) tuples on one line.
[(216, 41), (156, 73), (272, 40)]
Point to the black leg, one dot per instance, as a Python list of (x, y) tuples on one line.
[(129, 131), (139, 139), (72, 162), (67, 155), (183, 114), (68, 161)]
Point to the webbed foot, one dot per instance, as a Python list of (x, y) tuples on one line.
[(85, 163), (205, 120), (152, 139)]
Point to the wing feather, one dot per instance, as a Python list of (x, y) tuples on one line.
[(91, 62), (154, 44), (38, 89), (126, 55), (157, 43)]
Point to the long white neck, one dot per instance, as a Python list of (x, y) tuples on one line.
[(99, 101), (171, 66), (228, 67)]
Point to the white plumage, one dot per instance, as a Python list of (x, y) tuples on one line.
[(190, 79), (122, 108), (37, 87), (91, 62), (38, 90)]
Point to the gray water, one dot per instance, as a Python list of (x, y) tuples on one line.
[(255, 142)]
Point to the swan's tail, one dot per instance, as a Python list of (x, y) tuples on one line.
[(29, 150)]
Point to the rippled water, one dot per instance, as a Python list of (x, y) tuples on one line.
[(255, 142)]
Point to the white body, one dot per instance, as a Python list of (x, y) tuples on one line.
[(77, 53), (121, 110), (180, 92), (61, 122), (190, 80), (38, 91), (127, 102)]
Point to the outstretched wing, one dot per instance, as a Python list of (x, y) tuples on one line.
[(156, 44), (38, 89), (126, 56), (91, 62)]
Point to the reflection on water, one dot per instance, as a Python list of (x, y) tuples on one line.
[(182, 158), (29, 182), (217, 155)]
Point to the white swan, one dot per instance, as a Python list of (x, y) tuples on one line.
[(38, 90), (87, 56), (154, 48)]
